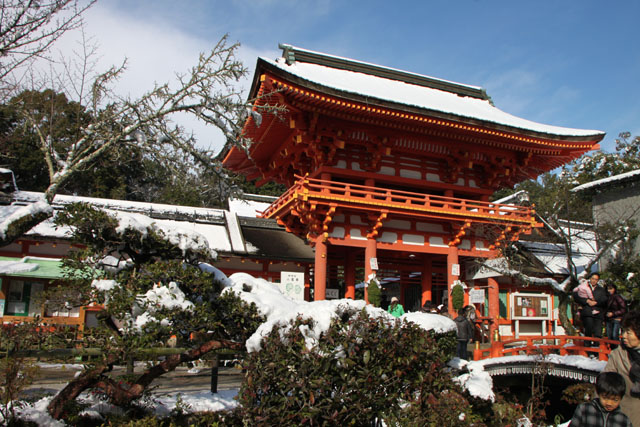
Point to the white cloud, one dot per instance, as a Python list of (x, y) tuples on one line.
[(155, 50)]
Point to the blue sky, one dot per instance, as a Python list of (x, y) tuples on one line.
[(567, 63)]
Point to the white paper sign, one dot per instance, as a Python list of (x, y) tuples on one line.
[(292, 284), (476, 296), (332, 293), (455, 269), (373, 263)]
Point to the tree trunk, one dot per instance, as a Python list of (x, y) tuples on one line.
[(121, 396), (76, 386), (564, 301)]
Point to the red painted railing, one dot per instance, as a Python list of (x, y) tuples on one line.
[(381, 198), (550, 344)]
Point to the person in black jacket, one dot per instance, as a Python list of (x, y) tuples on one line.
[(616, 308), (593, 308), (465, 333)]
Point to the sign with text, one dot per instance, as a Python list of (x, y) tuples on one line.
[(455, 269), (476, 296), (332, 293), (531, 306), (373, 263), (292, 284)]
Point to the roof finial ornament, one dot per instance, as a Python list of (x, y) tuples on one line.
[(288, 53)]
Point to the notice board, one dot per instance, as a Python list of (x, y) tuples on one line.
[(531, 306)]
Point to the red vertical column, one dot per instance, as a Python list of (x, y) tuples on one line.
[(425, 281), (320, 270), (452, 261), (350, 275), (369, 254), (494, 305)]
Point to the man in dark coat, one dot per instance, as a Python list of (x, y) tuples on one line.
[(465, 333), (593, 308)]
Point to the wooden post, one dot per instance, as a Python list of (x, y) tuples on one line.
[(452, 260), (350, 275), (215, 362), (494, 305), (369, 254), (425, 281), (320, 282)]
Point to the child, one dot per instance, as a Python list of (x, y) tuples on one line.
[(604, 410), (584, 291)]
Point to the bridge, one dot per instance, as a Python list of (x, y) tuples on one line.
[(576, 369)]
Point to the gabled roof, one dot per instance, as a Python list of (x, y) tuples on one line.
[(377, 85)]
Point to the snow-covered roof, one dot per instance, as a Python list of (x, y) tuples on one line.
[(393, 89), (554, 258), (218, 229), (616, 179), (250, 205)]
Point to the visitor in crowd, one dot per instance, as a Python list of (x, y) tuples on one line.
[(616, 308), (592, 300), (429, 307), (443, 309), (395, 308), (604, 410), (465, 333), (625, 360)]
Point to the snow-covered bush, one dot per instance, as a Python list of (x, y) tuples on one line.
[(361, 369), (159, 291)]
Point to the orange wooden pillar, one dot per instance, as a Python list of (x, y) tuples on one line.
[(494, 306), (404, 283), (369, 257), (425, 281), (350, 275), (320, 269), (452, 262)]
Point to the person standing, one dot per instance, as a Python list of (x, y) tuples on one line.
[(616, 308), (465, 333), (395, 308), (592, 308), (625, 360)]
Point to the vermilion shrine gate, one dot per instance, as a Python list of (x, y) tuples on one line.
[(391, 172)]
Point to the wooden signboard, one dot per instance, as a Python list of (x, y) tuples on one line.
[(530, 306)]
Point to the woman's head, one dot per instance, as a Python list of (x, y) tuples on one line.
[(631, 329), (394, 300), (612, 288)]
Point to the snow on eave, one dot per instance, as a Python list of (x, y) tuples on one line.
[(631, 175), (440, 101), (125, 205)]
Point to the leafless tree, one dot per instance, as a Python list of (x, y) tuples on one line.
[(28, 29), (209, 91)]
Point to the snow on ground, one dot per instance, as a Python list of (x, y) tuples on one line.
[(195, 401)]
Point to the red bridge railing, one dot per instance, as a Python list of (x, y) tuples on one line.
[(550, 344)]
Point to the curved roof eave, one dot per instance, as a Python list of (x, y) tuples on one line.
[(535, 129)]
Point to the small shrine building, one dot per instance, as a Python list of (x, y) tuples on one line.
[(390, 172)]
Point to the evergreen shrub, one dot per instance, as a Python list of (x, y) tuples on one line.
[(362, 370), (457, 297)]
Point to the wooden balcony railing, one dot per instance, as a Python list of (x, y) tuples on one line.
[(396, 201)]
